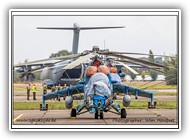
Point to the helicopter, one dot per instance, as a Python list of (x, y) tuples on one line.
[(99, 87)]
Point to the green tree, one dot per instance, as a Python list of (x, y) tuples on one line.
[(153, 74), (60, 53), (171, 65), (143, 75)]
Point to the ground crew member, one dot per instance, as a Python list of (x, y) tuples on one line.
[(52, 90), (44, 88), (59, 87), (28, 87), (65, 86), (34, 91)]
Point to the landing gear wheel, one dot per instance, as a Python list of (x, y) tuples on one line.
[(43, 108), (152, 106), (101, 115), (123, 113), (96, 115), (73, 113)]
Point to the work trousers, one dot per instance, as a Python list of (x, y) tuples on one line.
[(28, 94), (34, 95)]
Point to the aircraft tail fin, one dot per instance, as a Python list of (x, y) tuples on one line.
[(76, 28)]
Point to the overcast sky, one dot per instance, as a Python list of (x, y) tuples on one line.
[(141, 33)]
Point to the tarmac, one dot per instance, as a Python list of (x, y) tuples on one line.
[(62, 117)]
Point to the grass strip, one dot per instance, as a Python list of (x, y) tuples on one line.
[(61, 105)]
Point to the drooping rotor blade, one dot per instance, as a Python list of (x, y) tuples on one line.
[(138, 54), (139, 64), (134, 59), (30, 71), (144, 65), (50, 66), (42, 67), (80, 60), (48, 59), (128, 67)]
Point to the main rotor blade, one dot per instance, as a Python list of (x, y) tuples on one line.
[(53, 58), (50, 66), (134, 59), (144, 65), (79, 61), (128, 67), (139, 54), (31, 71), (42, 67)]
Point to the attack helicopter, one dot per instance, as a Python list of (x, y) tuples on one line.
[(100, 88)]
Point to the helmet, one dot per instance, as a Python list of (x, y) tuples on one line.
[(103, 69), (113, 70), (91, 70)]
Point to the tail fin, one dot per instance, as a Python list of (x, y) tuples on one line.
[(76, 29)]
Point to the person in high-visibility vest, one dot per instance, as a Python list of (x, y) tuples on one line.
[(34, 91)]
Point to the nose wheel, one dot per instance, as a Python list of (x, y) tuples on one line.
[(99, 114), (73, 113), (123, 113)]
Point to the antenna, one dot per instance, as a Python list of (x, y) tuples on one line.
[(76, 30)]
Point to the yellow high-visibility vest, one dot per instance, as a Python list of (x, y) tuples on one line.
[(34, 88)]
